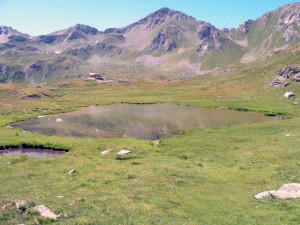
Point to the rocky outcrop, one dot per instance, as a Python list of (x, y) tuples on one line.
[(284, 75), (166, 39), (296, 78), (5, 30), (290, 18), (245, 27), (210, 38)]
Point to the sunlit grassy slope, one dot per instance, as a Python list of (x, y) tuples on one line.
[(205, 176)]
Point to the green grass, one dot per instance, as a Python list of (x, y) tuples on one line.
[(204, 176)]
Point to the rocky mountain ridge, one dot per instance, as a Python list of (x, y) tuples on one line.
[(166, 41)]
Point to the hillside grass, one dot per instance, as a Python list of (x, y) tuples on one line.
[(204, 176)]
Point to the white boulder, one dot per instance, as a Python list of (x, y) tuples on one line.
[(289, 94)]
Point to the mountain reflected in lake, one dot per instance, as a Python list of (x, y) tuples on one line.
[(151, 121)]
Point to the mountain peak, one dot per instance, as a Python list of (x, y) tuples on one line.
[(86, 29), (9, 34), (165, 12), (159, 17), (7, 30)]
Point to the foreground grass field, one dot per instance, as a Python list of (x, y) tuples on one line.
[(205, 176)]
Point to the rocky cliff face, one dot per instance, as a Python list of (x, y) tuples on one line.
[(210, 38), (166, 39)]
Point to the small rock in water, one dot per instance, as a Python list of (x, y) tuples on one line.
[(72, 171), (288, 135), (45, 212)]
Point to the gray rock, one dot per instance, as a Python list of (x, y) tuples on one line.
[(165, 39), (123, 152), (72, 171), (286, 84), (263, 195), (22, 205), (45, 212), (287, 191), (296, 78), (8, 206), (283, 76), (288, 95)]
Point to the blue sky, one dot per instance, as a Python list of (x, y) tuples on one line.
[(37, 17)]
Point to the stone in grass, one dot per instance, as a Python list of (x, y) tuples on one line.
[(263, 194), (22, 205), (287, 191), (289, 94), (156, 143), (106, 152), (19, 204), (45, 212), (72, 171), (8, 206), (121, 154)]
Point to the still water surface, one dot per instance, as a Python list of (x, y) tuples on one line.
[(31, 152), (151, 121)]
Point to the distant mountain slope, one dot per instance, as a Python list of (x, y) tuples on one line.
[(164, 42), (10, 34), (270, 32)]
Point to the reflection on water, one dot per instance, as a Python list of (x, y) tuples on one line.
[(140, 121), (31, 152)]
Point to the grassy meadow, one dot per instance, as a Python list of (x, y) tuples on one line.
[(204, 176)]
